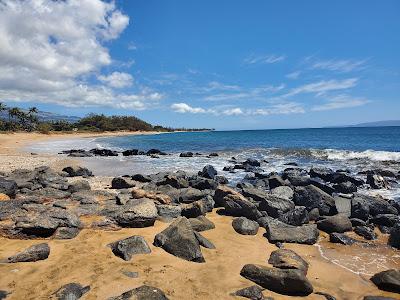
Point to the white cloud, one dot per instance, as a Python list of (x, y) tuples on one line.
[(233, 112), (281, 109), (264, 59), (340, 65), (277, 109), (242, 93), (117, 79), (293, 75), (49, 49), (324, 86), (341, 101), (185, 108)]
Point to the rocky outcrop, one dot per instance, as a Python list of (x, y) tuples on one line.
[(283, 281), (179, 239), (31, 254), (296, 217), (245, 226), (128, 247)]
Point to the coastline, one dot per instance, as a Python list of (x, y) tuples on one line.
[(88, 260)]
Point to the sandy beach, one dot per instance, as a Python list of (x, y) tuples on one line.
[(86, 259)]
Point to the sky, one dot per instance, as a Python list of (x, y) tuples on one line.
[(213, 63)]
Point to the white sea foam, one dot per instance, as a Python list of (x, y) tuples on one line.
[(373, 155)]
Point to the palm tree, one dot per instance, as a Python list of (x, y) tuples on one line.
[(3, 108), (32, 117), (13, 113)]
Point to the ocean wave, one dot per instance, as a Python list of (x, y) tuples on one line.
[(334, 154), (374, 155)]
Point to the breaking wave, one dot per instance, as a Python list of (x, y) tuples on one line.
[(334, 154)]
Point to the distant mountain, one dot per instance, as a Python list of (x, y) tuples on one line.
[(379, 124), (47, 116)]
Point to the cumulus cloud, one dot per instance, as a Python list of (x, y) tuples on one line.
[(276, 109), (186, 108), (233, 111), (49, 56), (264, 59), (117, 79), (341, 101)]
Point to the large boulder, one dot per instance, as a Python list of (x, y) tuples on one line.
[(194, 209), (203, 241), (253, 292), (237, 205), (312, 197), (274, 206), (179, 239), (144, 292), (366, 232), (221, 192), (325, 174), (79, 186), (376, 181), (394, 238), (121, 183), (275, 181), (208, 172), (8, 187), (168, 212), (201, 223), (284, 192), (338, 223), (288, 259), (283, 281), (31, 254), (277, 231), (388, 280), (71, 291), (245, 226), (296, 217), (74, 171), (130, 246), (388, 220), (137, 213), (362, 206)]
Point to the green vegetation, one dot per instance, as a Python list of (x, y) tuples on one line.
[(19, 120)]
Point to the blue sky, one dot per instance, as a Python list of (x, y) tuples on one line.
[(221, 64)]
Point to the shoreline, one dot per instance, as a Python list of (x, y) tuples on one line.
[(16, 141)]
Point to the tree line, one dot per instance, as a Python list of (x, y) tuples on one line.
[(16, 119)]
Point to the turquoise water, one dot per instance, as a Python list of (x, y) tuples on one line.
[(352, 138)]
